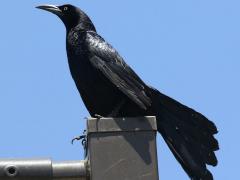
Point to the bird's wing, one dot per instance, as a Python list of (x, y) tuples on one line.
[(107, 60)]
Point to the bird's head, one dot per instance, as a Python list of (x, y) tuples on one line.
[(70, 15)]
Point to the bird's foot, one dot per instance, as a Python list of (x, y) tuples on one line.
[(98, 116)]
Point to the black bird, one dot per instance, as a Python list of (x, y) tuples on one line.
[(110, 88)]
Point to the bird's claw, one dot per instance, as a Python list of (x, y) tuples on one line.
[(98, 116)]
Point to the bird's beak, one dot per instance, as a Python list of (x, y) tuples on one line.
[(51, 8)]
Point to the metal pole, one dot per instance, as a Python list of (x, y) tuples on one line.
[(42, 169), (122, 148)]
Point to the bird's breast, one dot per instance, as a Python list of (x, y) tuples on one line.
[(98, 94), (76, 42)]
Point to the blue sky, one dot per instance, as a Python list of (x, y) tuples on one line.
[(187, 49)]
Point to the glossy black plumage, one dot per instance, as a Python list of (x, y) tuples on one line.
[(109, 87)]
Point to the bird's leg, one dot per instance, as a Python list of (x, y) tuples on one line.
[(115, 111)]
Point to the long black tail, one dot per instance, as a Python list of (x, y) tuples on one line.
[(188, 134)]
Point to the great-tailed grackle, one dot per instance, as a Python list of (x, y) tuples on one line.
[(109, 87)]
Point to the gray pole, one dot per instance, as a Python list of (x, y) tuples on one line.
[(42, 169)]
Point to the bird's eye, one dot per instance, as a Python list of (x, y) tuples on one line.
[(65, 8)]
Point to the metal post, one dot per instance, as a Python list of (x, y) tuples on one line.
[(122, 148), (42, 169)]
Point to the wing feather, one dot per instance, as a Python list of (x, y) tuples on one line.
[(107, 60)]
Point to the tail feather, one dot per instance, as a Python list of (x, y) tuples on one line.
[(183, 112), (188, 134)]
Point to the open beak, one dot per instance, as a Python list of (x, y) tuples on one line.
[(51, 8)]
